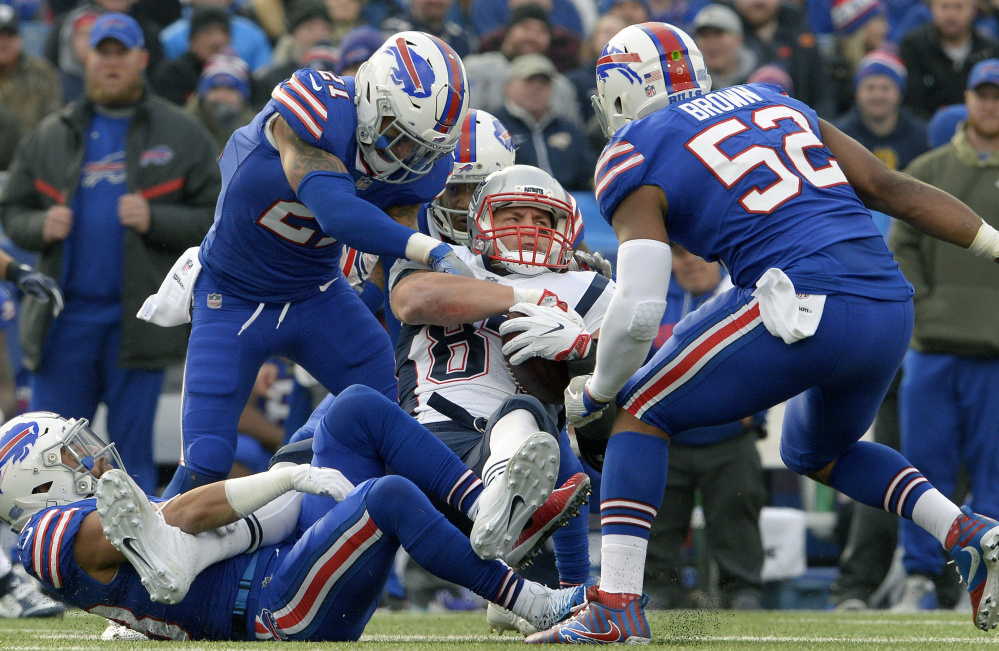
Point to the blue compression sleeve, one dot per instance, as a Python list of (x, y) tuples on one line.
[(351, 220)]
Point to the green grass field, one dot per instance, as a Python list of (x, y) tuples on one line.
[(675, 630)]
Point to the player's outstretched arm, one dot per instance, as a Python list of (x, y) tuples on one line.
[(224, 502), (924, 207), (324, 185)]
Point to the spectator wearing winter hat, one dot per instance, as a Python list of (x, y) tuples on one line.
[(718, 34), (177, 79), (632, 12), (222, 102), (861, 27), (431, 16), (356, 48)]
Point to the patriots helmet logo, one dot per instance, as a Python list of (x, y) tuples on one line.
[(412, 72), (502, 134), (16, 444), (615, 58)]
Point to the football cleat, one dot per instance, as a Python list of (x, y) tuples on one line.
[(606, 619), (523, 484), (164, 556), (562, 506), (116, 632), (500, 619), (973, 543), (553, 606)]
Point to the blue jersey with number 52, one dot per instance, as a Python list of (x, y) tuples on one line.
[(749, 183), (265, 245)]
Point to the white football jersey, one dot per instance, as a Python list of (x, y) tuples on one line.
[(464, 363)]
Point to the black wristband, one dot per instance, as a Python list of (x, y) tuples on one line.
[(13, 272)]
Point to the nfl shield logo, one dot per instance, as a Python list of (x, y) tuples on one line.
[(363, 183), (215, 301), (650, 90)]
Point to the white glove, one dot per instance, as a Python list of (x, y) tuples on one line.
[(580, 407), (583, 261), (321, 481), (548, 332)]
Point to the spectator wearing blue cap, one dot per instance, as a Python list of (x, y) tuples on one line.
[(949, 396), (222, 102), (109, 192)]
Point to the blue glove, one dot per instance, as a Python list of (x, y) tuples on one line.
[(580, 407), (443, 259), (36, 284)]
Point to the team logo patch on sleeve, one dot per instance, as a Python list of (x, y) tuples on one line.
[(215, 301)]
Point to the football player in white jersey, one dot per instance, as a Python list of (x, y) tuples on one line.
[(449, 358)]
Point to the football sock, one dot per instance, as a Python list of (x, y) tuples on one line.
[(878, 476), (401, 510), (572, 542), (935, 513), (632, 488), (506, 436), (214, 547), (363, 431)]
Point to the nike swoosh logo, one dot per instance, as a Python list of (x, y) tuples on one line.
[(555, 329), (516, 503), (975, 559), (326, 286), (613, 635), (572, 394), (315, 87), (129, 544)]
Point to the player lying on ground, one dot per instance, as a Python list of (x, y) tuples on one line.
[(322, 581), (820, 315)]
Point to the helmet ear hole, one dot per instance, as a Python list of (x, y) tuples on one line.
[(41, 488), (618, 105)]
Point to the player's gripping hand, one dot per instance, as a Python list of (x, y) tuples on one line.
[(443, 258), (321, 481), (580, 407), (583, 261), (546, 331), (36, 284)]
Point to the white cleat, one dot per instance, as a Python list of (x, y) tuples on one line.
[(119, 632), (500, 619), (164, 556), (515, 488)]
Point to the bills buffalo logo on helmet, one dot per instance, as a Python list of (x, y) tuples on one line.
[(614, 58), (16, 444), (412, 71), (502, 134)]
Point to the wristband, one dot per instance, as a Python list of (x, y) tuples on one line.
[(525, 295), (986, 243), (419, 246)]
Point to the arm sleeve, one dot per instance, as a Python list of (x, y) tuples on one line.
[(633, 315), (350, 219)]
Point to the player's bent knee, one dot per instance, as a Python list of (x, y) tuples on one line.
[(529, 404), (394, 499), (359, 404)]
